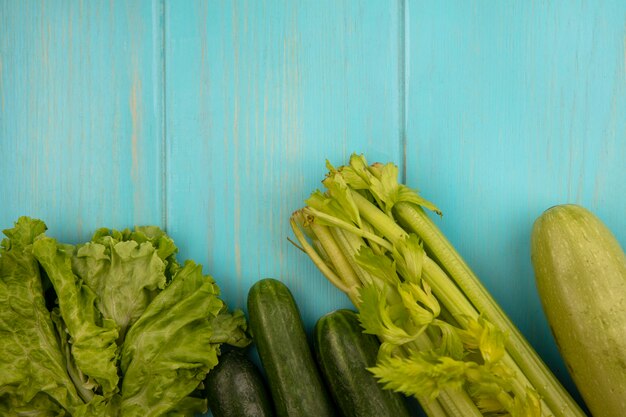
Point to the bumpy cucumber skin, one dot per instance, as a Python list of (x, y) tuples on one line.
[(235, 388), (294, 380), (344, 353), (580, 270)]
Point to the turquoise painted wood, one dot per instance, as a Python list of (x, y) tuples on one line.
[(511, 109), (81, 114), (258, 95), (213, 119)]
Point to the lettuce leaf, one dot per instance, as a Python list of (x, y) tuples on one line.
[(189, 406), (122, 330), (93, 345), (33, 377), (165, 247), (124, 274), (169, 350), (83, 383)]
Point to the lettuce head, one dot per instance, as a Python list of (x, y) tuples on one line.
[(111, 327)]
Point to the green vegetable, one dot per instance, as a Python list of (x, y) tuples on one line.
[(580, 271), (93, 344), (33, 372), (106, 263), (130, 331), (236, 388), (444, 339), (344, 353), (294, 380)]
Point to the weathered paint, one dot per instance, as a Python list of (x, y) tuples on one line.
[(258, 95), (513, 108), (214, 118), (80, 127)]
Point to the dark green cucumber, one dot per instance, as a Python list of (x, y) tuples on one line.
[(293, 377), (235, 388), (344, 353)]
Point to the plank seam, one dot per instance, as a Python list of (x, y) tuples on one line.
[(402, 85), (164, 141)]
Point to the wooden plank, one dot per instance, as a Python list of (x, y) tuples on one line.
[(259, 94), (513, 108), (81, 114)]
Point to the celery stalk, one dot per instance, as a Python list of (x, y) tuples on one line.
[(377, 245), (317, 260), (455, 403), (350, 244), (342, 266), (417, 221)]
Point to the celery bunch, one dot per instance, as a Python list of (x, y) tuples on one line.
[(444, 339)]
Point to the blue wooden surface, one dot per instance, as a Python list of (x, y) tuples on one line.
[(511, 109), (258, 95), (213, 119), (80, 114)]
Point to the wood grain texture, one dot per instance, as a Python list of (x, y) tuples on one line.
[(214, 119), (513, 108), (81, 114), (259, 94)]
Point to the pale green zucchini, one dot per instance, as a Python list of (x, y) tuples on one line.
[(580, 270)]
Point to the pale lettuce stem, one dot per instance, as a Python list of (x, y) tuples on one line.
[(442, 251), (77, 377), (75, 374)]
